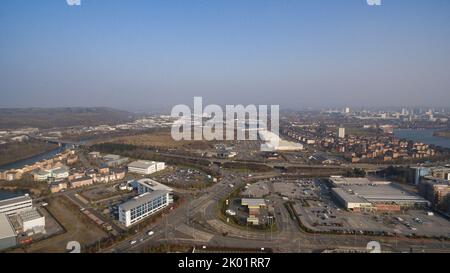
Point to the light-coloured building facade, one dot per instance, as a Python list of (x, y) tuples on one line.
[(142, 206), (16, 204), (145, 167), (30, 220), (7, 234)]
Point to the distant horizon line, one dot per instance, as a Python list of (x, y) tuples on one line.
[(282, 108)]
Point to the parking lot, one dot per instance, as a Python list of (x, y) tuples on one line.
[(256, 190), (180, 177), (317, 210)]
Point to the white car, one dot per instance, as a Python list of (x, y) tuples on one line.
[(132, 242), (150, 233), (230, 212)]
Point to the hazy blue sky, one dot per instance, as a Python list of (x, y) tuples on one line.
[(139, 54)]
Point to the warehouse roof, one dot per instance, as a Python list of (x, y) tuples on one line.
[(29, 215), (6, 229), (339, 180), (377, 194), (19, 199), (348, 197), (253, 202), (142, 164)]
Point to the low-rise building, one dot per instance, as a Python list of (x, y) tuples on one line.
[(16, 204), (81, 182), (114, 160), (363, 194), (57, 173), (145, 167), (253, 205), (437, 191), (58, 186)]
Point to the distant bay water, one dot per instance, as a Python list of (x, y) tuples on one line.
[(4, 194), (425, 136)]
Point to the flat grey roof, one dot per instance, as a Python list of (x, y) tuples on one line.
[(6, 229), (28, 215), (111, 157), (19, 199), (253, 202), (381, 193), (142, 199), (153, 185), (348, 197)]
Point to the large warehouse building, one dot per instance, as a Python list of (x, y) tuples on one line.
[(363, 194), (7, 234), (145, 167), (16, 204)]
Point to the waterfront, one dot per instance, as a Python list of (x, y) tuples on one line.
[(425, 136), (30, 161), (4, 194)]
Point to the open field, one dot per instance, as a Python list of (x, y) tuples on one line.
[(161, 139), (78, 228)]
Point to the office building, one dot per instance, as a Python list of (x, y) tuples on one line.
[(142, 206), (153, 196), (145, 167), (16, 204), (437, 191)]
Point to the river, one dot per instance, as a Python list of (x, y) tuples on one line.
[(4, 194), (425, 136), (31, 160)]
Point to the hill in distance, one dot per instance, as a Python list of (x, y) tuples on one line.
[(45, 118)]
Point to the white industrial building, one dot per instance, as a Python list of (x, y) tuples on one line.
[(274, 143), (31, 220), (362, 193), (16, 204), (145, 167), (153, 196)]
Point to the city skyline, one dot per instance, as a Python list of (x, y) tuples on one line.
[(153, 55)]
